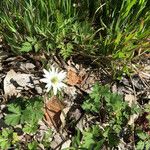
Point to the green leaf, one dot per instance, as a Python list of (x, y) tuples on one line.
[(4, 144), (31, 39), (119, 36), (26, 47), (140, 145), (5, 138), (15, 138), (116, 102), (66, 49), (119, 55), (33, 112), (30, 128), (33, 145), (12, 119), (37, 47), (147, 144), (93, 103), (113, 139), (14, 108), (27, 115), (142, 135), (91, 137)]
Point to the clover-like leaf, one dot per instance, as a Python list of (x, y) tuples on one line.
[(13, 118)]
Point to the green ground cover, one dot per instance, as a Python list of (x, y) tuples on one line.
[(111, 33)]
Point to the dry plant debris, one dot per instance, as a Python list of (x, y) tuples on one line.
[(53, 109), (63, 116), (15, 83)]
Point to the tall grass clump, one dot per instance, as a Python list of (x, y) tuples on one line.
[(124, 26), (118, 28), (34, 25), (123, 30)]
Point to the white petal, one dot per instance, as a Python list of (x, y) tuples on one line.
[(47, 75), (55, 90), (62, 72), (49, 85), (60, 85), (53, 69), (48, 89), (62, 75), (53, 73), (45, 80), (56, 70), (45, 72)]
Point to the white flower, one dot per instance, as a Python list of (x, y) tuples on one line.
[(53, 79)]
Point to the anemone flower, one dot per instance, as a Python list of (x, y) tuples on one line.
[(54, 79)]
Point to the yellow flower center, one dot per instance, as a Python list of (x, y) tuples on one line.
[(54, 80)]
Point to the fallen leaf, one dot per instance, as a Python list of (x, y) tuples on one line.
[(14, 83), (132, 119), (131, 99), (9, 89), (26, 66), (63, 116), (71, 91), (58, 140), (73, 78), (52, 111), (66, 144)]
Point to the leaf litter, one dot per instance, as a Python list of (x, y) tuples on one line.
[(22, 80)]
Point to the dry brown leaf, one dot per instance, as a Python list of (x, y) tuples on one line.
[(52, 111), (73, 78)]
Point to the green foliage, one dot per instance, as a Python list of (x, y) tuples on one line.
[(116, 113), (96, 138), (126, 23), (111, 105), (15, 114), (35, 25), (101, 97), (66, 49), (29, 113), (144, 142), (8, 137), (47, 138), (116, 28), (50, 21), (33, 145), (76, 140), (93, 103), (92, 138), (30, 128)]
